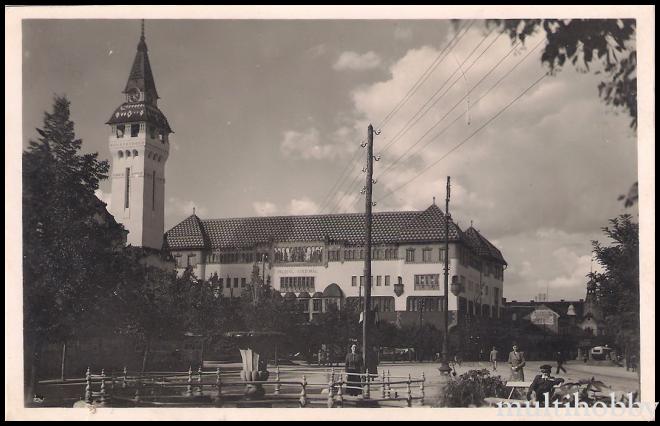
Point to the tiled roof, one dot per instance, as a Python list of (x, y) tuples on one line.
[(482, 246), (139, 111), (387, 228), (188, 234), (141, 76)]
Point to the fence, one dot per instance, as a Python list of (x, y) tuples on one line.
[(328, 388)]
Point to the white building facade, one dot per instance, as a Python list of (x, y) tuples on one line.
[(320, 259)]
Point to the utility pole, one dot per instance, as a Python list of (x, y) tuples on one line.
[(444, 363), (366, 317)]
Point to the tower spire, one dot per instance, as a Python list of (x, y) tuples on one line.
[(142, 31)]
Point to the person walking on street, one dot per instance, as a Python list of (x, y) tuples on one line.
[(561, 359), (354, 366), (517, 362), (493, 358)]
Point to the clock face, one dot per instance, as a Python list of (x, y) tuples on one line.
[(133, 95)]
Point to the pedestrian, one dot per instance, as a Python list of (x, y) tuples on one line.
[(561, 359), (633, 363), (372, 361), (543, 386), (354, 366), (481, 354), (585, 357), (517, 362), (493, 358)]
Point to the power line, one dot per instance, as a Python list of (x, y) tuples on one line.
[(421, 79), (467, 138), (425, 75), (417, 116), (390, 166), (337, 184)]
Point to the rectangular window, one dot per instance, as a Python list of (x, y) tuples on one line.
[(427, 282), (242, 282), (333, 255), (153, 190), (235, 282), (191, 260), (361, 280), (382, 303), (317, 305), (410, 255), (387, 280), (379, 280), (127, 191), (426, 255), (297, 284), (441, 255), (221, 282), (228, 282), (120, 130), (135, 130), (361, 255), (426, 304), (354, 281)]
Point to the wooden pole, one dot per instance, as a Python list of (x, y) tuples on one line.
[(88, 386), (63, 371), (303, 392), (367, 255), (444, 364), (189, 390)]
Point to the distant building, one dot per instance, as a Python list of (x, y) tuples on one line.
[(555, 317), (319, 260)]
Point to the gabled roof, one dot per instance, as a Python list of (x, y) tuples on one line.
[(387, 228), (482, 246)]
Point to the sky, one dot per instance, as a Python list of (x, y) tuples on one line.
[(269, 114)]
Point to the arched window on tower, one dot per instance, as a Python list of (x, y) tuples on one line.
[(135, 153), (120, 154), (128, 153)]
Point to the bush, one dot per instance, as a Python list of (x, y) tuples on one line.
[(471, 388)]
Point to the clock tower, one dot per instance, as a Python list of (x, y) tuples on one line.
[(139, 146)]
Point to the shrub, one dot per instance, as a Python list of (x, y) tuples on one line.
[(471, 388)]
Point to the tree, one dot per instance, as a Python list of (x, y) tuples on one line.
[(587, 44), (68, 238), (617, 287)]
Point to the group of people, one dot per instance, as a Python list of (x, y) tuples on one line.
[(543, 384), (542, 387)]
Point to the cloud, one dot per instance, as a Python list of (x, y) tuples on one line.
[(309, 145), (302, 206), (264, 208), (543, 175), (357, 62), (401, 33)]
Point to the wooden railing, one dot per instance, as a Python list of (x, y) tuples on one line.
[(210, 387)]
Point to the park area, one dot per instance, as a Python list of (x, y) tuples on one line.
[(398, 384)]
